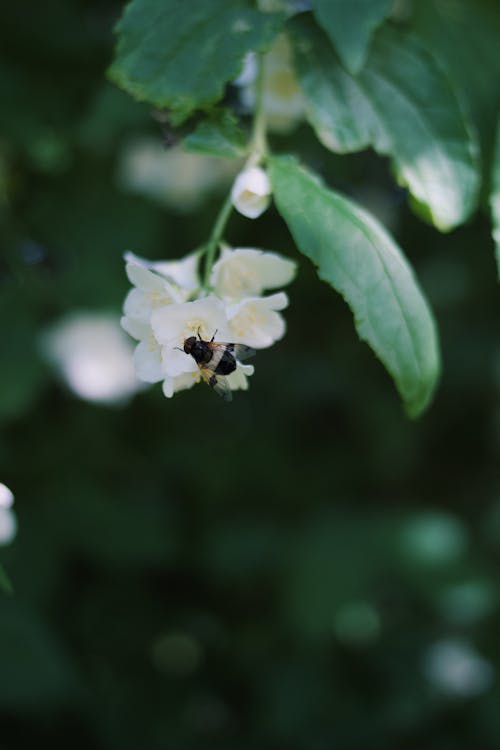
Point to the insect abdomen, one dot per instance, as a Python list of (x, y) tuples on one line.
[(226, 364)]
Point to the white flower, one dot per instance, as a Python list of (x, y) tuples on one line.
[(147, 354), (282, 99), (6, 497), (249, 71), (255, 322), (153, 290), (93, 356), (150, 291), (247, 272), (183, 273), (175, 323), (454, 667), (237, 380), (180, 382), (8, 521), (251, 192)]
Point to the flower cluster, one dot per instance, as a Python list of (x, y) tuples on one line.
[(168, 303)]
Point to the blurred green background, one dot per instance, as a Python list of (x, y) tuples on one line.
[(305, 569)]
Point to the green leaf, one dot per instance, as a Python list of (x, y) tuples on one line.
[(5, 583), (180, 55), (219, 135), (495, 199), (403, 106), (350, 25), (463, 36), (356, 256)]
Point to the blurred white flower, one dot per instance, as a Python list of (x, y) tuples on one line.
[(247, 272), (6, 496), (174, 177), (251, 192), (454, 667), (8, 521), (93, 356), (282, 98), (433, 539)]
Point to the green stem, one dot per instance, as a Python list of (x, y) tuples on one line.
[(258, 151), (215, 238)]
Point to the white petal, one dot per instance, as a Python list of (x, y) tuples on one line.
[(176, 362), (183, 272), (6, 496), (168, 387), (180, 383), (148, 364), (249, 71), (137, 306), (142, 277), (251, 192), (173, 324), (255, 322), (135, 328), (183, 382), (157, 289), (278, 301), (238, 379), (246, 369), (246, 272), (8, 525)]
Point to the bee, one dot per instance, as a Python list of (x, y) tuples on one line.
[(216, 359)]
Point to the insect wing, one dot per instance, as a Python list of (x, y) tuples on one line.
[(219, 383), (239, 351), (242, 351)]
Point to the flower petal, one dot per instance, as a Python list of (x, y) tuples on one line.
[(148, 365), (251, 192), (183, 272), (173, 324), (135, 328), (255, 322), (238, 379), (246, 272)]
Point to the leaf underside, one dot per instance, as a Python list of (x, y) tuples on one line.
[(180, 55), (350, 26), (402, 105)]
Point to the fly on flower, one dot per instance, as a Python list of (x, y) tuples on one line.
[(216, 360)]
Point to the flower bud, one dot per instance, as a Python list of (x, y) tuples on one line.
[(251, 192)]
